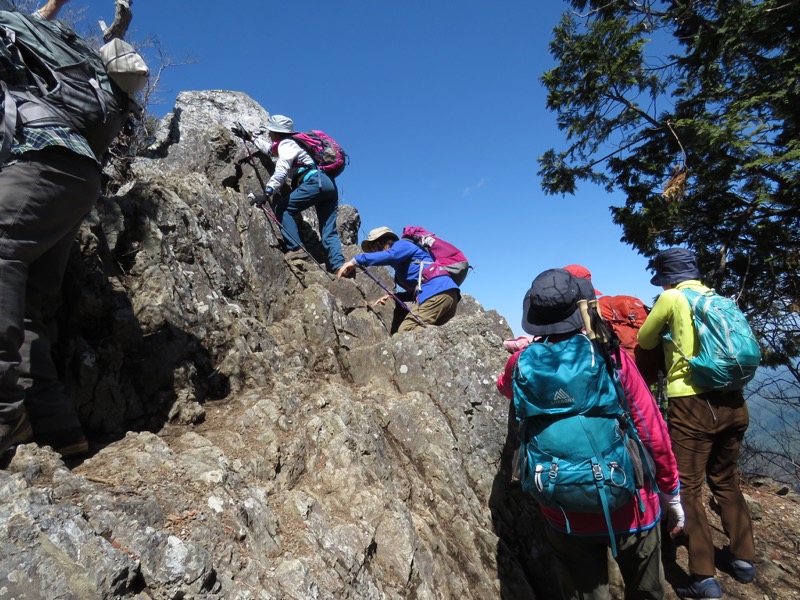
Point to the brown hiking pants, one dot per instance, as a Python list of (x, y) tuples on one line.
[(436, 310), (706, 432)]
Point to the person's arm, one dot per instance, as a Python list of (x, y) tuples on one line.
[(400, 252), (652, 430), (50, 10), (650, 424), (649, 335), (505, 382), (287, 153)]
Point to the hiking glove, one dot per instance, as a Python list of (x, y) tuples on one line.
[(239, 130), (671, 504), (257, 201)]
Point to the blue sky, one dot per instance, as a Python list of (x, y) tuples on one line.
[(439, 106)]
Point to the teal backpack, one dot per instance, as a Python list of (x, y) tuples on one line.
[(60, 81), (729, 353), (579, 451)]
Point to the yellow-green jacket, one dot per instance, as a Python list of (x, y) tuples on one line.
[(672, 314)]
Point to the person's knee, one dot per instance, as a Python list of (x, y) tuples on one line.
[(410, 324), (292, 210)]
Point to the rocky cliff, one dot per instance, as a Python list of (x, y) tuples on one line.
[(257, 433)]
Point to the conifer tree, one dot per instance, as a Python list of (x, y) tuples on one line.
[(691, 109)]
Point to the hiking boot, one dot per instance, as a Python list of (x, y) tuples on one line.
[(298, 254), (705, 588), (16, 432), (66, 442), (744, 571)]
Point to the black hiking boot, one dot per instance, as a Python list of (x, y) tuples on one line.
[(16, 432)]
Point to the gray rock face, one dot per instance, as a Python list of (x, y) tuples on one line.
[(257, 432)]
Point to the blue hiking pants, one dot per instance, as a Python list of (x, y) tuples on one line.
[(318, 190)]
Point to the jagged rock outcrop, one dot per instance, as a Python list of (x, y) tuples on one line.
[(258, 433)]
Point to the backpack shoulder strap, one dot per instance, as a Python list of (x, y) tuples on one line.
[(692, 296), (644, 459), (9, 123)]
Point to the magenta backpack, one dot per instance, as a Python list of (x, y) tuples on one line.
[(447, 259), (326, 153)]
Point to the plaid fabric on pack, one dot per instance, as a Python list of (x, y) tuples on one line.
[(37, 138)]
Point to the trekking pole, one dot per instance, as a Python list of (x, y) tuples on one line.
[(272, 216), (394, 296)]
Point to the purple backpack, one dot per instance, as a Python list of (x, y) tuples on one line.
[(328, 155), (447, 259)]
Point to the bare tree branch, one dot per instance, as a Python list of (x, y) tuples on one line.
[(122, 19)]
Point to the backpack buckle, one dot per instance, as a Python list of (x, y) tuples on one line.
[(553, 473), (597, 472), (624, 420)]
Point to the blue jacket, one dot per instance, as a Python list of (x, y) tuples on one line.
[(401, 257)]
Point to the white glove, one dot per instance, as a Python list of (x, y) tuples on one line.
[(671, 504)]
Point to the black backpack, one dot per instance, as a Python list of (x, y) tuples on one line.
[(67, 84)]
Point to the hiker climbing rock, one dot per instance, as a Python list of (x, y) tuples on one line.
[(52, 148), (433, 301), (311, 186), (706, 427), (577, 400)]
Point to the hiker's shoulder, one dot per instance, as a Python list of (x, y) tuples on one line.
[(406, 246), (668, 298), (288, 145)]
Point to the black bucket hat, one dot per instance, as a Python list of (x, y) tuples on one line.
[(586, 288), (673, 266), (551, 305)]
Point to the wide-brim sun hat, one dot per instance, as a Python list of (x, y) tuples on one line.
[(374, 241), (674, 265), (586, 289), (280, 124), (551, 304)]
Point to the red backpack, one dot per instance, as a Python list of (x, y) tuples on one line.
[(625, 315), (447, 259)]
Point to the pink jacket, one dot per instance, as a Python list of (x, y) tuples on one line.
[(652, 430)]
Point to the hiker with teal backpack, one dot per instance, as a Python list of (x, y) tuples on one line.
[(595, 453), (56, 126), (710, 353), (312, 182), (424, 301)]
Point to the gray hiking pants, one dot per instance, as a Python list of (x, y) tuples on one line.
[(583, 564), (43, 200)]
